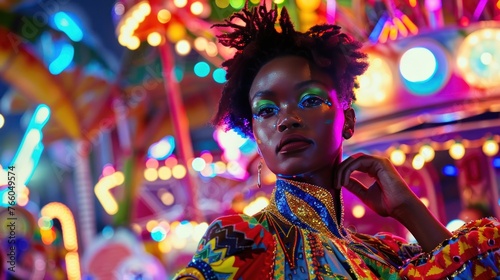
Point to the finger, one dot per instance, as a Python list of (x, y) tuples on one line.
[(346, 168), (357, 188), (376, 167), (340, 178)]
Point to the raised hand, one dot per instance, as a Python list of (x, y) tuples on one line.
[(390, 196)]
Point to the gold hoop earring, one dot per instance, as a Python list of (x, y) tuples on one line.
[(259, 171)]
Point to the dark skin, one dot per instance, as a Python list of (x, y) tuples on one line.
[(299, 125)]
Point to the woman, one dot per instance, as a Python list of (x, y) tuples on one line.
[(292, 92)]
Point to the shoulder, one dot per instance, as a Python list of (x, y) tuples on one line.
[(237, 232)]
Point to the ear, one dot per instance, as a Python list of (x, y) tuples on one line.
[(349, 122)]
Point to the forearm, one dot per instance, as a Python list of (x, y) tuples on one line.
[(426, 229)]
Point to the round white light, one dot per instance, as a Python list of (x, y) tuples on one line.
[(417, 64)]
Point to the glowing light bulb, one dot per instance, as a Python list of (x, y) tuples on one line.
[(490, 147), (427, 152), (398, 157), (418, 162), (457, 151)]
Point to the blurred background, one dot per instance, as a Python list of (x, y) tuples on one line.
[(109, 165)]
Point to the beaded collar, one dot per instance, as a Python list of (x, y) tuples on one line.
[(306, 206)]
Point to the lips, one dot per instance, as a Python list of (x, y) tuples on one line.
[(293, 143)]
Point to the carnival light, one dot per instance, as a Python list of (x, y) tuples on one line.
[(56, 210), (424, 68), (179, 171), (376, 84), (418, 162), (201, 69), (164, 16), (358, 211), (457, 151), (162, 149), (171, 162), (65, 23), (167, 198), (219, 75), (398, 157), (198, 164), (479, 64), (417, 56), (490, 147), (102, 191), (182, 47), (63, 60), (150, 174), (2, 120), (154, 39), (255, 206), (450, 170), (164, 173), (427, 152)]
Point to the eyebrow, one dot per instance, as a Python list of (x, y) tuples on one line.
[(270, 93)]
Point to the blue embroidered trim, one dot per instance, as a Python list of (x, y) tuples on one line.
[(204, 268), (317, 205)]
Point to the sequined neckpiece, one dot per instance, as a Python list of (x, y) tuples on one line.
[(306, 206)]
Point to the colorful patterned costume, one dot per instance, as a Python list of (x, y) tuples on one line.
[(297, 237)]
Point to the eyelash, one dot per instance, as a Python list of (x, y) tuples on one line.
[(314, 98), (262, 114), (270, 110)]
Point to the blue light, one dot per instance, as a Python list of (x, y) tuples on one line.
[(66, 24), (158, 234), (108, 232), (378, 28), (219, 75), (201, 69), (179, 74), (436, 74), (63, 60), (162, 149), (450, 170), (496, 162), (248, 147)]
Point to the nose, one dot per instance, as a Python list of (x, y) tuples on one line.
[(289, 122)]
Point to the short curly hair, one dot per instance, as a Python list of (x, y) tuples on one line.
[(258, 41)]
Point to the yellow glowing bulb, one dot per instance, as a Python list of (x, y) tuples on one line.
[(133, 43), (358, 211), (150, 225), (175, 32), (150, 174), (180, 3), (179, 171), (154, 39), (490, 147), (164, 16), (398, 157), (182, 47), (427, 152), (457, 151), (164, 173), (196, 8), (418, 162), (308, 5)]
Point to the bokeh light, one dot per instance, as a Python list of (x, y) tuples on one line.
[(201, 69), (490, 147), (425, 67), (376, 84), (457, 151), (478, 58), (398, 157)]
